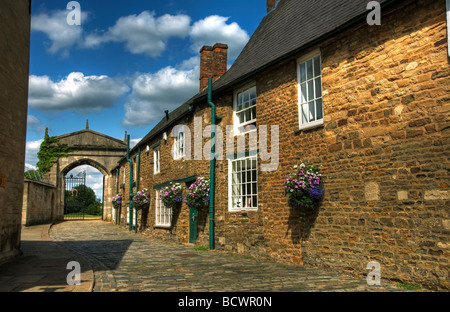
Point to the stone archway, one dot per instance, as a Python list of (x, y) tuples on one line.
[(88, 148)]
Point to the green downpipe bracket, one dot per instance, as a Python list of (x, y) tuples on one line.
[(212, 166)]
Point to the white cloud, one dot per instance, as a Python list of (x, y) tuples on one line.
[(165, 90), (32, 121), (77, 92), (30, 167), (143, 33), (31, 150), (62, 35), (35, 125), (133, 142), (214, 29)]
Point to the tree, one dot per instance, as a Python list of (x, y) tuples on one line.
[(33, 175), (82, 197), (95, 209)]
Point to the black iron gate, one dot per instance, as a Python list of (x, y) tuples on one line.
[(74, 205)]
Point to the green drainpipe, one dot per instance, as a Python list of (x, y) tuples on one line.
[(130, 210), (138, 163), (212, 166), (117, 192)]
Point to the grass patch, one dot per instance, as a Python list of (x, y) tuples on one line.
[(201, 248), (80, 215), (409, 286)]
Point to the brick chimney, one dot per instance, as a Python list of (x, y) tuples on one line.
[(213, 63)]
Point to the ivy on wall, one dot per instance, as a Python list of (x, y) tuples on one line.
[(50, 151)]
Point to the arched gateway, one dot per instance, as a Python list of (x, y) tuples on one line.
[(92, 148)]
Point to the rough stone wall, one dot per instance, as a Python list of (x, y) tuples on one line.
[(383, 150), (14, 53), (240, 232), (170, 170), (39, 203)]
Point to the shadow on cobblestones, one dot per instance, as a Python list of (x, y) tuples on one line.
[(124, 261), (106, 254)]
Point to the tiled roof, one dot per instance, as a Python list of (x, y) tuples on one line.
[(294, 25)]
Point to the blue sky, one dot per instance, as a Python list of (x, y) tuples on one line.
[(125, 64)]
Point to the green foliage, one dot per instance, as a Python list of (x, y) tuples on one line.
[(81, 197), (49, 152), (34, 175), (95, 209), (409, 286), (202, 248)]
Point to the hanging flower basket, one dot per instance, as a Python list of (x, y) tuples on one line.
[(197, 195), (304, 187), (141, 200), (171, 195), (117, 201)]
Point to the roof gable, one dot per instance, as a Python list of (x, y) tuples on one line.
[(88, 139)]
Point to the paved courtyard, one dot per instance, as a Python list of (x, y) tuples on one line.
[(125, 261)]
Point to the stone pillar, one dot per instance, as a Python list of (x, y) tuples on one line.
[(108, 185)]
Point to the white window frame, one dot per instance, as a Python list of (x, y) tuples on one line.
[(135, 169), (179, 148), (156, 160), (302, 85), (447, 4), (244, 188), (163, 215), (238, 94)]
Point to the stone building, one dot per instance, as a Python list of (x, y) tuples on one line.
[(14, 67), (368, 104)]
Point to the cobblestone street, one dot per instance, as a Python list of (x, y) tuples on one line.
[(125, 261)]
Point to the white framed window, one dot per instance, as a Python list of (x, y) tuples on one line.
[(447, 4), (243, 184), (310, 103), (133, 220), (135, 169), (163, 214), (245, 110), (179, 150), (123, 176), (156, 160)]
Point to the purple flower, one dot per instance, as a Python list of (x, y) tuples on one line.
[(316, 193)]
